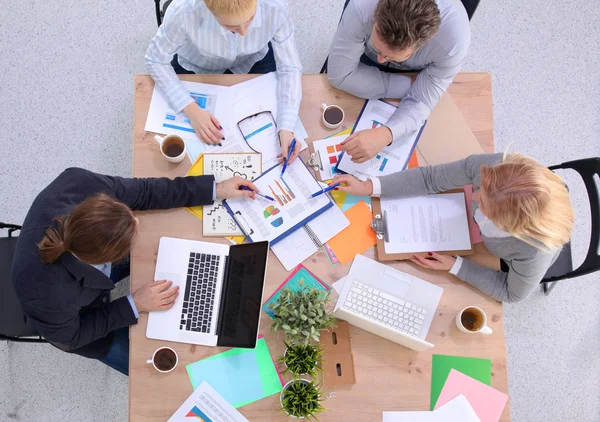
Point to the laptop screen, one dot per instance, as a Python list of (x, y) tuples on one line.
[(241, 302)]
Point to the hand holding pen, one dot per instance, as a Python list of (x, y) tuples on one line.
[(290, 152), (256, 193), (327, 189)]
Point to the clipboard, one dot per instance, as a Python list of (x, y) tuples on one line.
[(315, 161), (379, 226)]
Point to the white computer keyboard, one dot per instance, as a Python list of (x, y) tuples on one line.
[(384, 308)]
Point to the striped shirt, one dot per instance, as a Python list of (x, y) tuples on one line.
[(202, 45)]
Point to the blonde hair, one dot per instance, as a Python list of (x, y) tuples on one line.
[(529, 201), (232, 8)]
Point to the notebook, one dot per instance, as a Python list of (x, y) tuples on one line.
[(301, 244), (215, 219)]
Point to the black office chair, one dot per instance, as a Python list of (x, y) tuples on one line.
[(470, 6), (14, 326), (160, 13), (562, 269)]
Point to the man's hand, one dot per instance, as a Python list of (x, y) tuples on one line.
[(231, 188), (365, 144), (285, 139), (207, 127), (155, 296), (434, 261), (352, 185)]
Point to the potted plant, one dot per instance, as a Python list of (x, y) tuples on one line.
[(301, 314), (301, 399), (302, 359)]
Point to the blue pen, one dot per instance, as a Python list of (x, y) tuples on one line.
[(259, 194), (290, 151), (327, 189)]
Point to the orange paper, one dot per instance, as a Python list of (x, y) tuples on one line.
[(413, 163), (357, 237)]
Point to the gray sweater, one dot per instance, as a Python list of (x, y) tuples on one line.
[(527, 264)]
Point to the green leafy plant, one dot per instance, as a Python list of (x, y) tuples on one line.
[(302, 359), (301, 314), (302, 399)]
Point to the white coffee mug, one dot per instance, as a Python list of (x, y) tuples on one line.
[(479, 323), (163, 143), (151, 361), (324, 108)]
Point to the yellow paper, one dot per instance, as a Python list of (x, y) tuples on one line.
[(197, 169), (357, 237), (236, 240)]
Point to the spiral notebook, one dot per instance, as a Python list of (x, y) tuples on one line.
[(302, 243)]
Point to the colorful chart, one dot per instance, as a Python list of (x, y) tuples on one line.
[(197, 413), (376, 124), (277, 222), (270, 210), (334, 153), (281, 192), (379, 163)]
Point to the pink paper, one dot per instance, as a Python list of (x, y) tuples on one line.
[(487, 402), (473, 227)]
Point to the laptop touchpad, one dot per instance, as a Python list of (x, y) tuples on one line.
[(394, 284)]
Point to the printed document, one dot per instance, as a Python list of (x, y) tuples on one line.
[(389, 160), (293, 207), (427, 223), (205, 404)]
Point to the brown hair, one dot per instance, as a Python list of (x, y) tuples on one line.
[(529, 201), (99, 230), (404, 24)]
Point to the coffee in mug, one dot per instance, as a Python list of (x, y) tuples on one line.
[(172, 147), (164, 359), (333, 115), (472, 320)]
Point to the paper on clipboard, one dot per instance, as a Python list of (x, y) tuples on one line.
[(391, 159)]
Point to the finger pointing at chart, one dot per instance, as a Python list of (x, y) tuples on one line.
[(352, 185), (235, 187)]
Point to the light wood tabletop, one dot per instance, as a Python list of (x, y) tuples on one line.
[(388, 376)]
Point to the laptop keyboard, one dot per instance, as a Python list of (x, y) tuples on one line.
[(200, 289), (384, 308)]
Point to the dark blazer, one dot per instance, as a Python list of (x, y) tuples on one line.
[(68, 301)]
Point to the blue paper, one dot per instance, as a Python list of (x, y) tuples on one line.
[(235, 377)]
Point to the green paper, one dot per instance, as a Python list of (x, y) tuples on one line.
[(269, 377), (480, 369)]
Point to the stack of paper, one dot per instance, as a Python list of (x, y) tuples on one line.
[(456, 410), (205, 404), (241, 376)]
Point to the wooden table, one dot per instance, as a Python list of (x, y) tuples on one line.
[(388, 376)]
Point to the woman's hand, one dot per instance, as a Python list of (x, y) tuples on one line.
[(155, 296), (285, 139), (207, 127), (434, 261), (352, 185), (232, 188)]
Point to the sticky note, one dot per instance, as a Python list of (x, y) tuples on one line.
[(480, 369), (487, 402), (357, 237)]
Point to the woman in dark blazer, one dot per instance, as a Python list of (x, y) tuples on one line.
[(73, 248)]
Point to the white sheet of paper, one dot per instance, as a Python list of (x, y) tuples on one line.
[(298, 246), (339, 285), (391, 159), (427, 223), (456, 410), (329, 150), (262, 219), (206, 404), (216, 220)]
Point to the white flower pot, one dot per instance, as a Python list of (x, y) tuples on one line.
[(305, 381)]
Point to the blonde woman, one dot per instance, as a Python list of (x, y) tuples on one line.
[(521, 207)]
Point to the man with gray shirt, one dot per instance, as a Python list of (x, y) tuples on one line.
[(377, 41)]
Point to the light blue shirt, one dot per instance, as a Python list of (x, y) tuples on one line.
[(105, 269), (202, 45)]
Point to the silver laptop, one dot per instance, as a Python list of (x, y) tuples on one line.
[(220, 292), (389, 303)]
